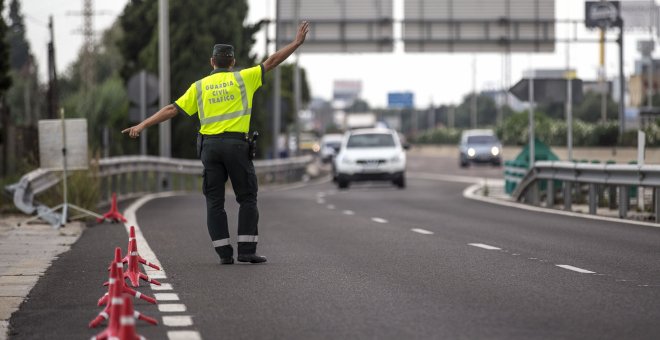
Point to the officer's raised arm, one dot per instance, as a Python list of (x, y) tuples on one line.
[(167, 112), (281, 55)]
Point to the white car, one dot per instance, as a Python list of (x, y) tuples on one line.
[(330, 145), (368, 155)]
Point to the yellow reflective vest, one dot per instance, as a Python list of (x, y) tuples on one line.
[(222, 100)]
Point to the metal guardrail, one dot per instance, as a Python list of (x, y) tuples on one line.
[(131, 176), (603, 183)]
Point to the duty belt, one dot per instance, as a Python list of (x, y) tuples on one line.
[(233, 135)]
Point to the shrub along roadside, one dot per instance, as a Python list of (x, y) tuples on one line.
[(514, 131)]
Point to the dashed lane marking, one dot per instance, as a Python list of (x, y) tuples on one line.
[(177, 321), (484, 246), (146, 252), (331, 207), (379, 220), (348, 212), (163, 286), (183, 335), (171, 307), (422, 231), (575, 269), (166, 296)]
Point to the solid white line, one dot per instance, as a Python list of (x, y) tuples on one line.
[(166, 296), (171, 307), (348, 212), (379, 220), (484, 246), (163, 286), (575, 269), (422, 231), (183, 335), (177, 320)]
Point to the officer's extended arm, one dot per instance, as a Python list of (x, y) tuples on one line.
[(281, 55), (167, 112)]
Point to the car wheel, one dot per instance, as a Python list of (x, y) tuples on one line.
[(342, 184), (464, 164), (400, 182)]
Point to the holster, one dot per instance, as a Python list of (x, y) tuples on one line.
[(252, 142)]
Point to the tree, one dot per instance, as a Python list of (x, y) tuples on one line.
[(20, 48), (194, 29), (5, 79), (486, 111)]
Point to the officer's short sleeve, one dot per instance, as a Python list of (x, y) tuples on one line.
[(188, 102), (253, 76)]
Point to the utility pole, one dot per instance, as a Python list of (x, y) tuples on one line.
[(277, 83), (296, 86), (52, 73), (531, 119), (164, 129), (601, 77), (88, 47), (473, 106)]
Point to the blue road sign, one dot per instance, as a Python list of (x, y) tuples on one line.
[(400, 100)]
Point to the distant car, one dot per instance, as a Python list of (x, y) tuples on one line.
[(330, 145), (368, 155), (479, 146)]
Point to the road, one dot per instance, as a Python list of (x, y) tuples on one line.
[(376, 262)]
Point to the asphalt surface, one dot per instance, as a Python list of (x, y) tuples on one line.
[(347, 264)]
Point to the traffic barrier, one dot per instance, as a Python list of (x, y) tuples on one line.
[(113, 215), (140, 259), (121, 284), (114, 293)]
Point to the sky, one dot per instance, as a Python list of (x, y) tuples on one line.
[(434, 78)]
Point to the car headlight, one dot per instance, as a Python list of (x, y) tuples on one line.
[(316, 148), (395, 159), (471, 152), (495, 151)]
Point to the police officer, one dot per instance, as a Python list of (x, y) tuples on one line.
[(223, 103)]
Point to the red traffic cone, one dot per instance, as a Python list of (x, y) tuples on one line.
[(121, 285), (134, 249), (114, 293), (127, 322), (133, 272), (112, 215), (114, 317)]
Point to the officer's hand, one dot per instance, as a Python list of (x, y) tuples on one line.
[(303, 29), (133, 131)]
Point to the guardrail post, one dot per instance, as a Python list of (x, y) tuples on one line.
[(656, 203), (612, 197), (593, 199), (145, 181), (534, 193), (568, 196), (623, 201), (550, 194)]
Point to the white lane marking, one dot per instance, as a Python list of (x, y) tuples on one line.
[(163, 286), (444, 178), (320, 201), (320, 194), (470, 193), (331, 206), (379, 220), (348, 212), (575, 269), (147, 253), (171, 307), (177, 321), (183, 335), (422, 231), (166, 296), (484, 246), (157, 275)]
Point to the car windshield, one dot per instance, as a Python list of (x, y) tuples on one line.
[(370, 140), (482, 140)]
